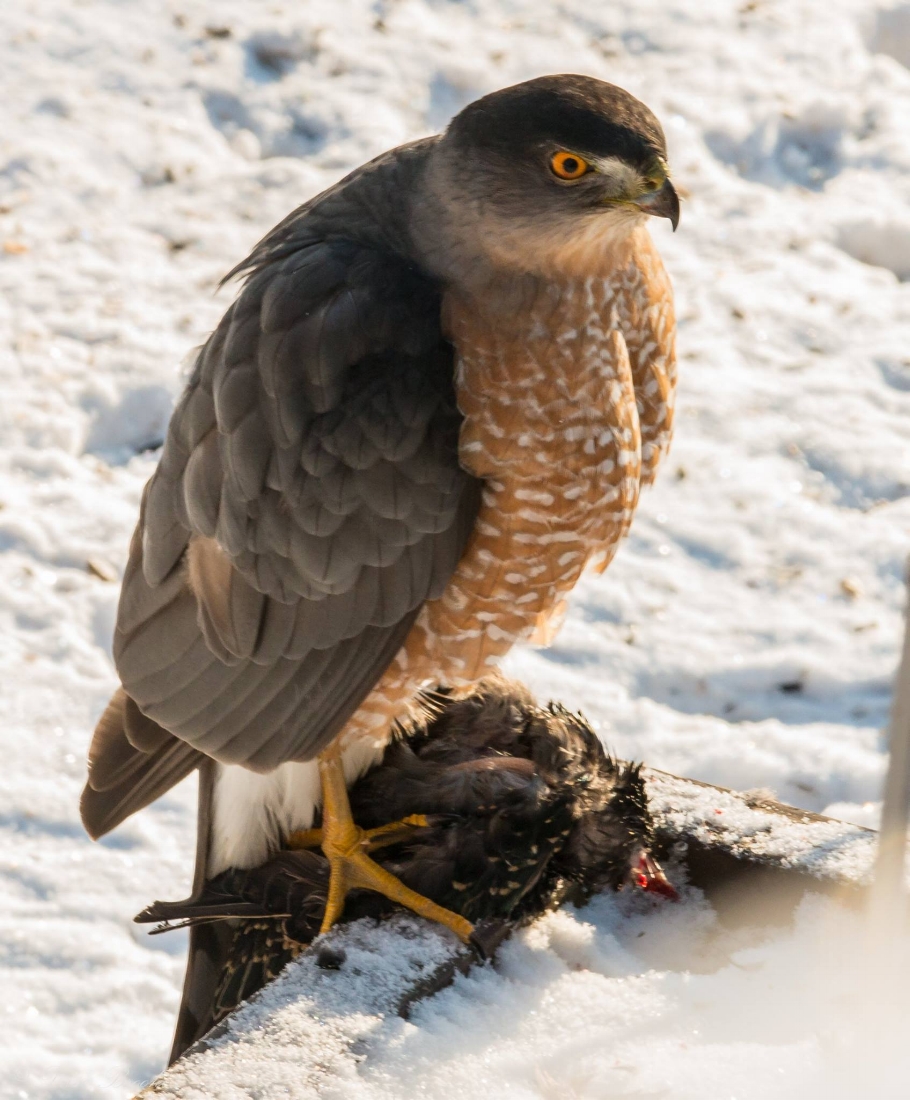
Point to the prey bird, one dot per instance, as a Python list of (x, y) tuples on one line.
[(430, 407), (513, 809)]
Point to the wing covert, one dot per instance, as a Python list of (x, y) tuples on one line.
[(308, 501)]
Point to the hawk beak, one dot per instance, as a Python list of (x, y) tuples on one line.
[(663, 203)]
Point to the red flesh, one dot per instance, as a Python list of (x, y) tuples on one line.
[(648, 875)]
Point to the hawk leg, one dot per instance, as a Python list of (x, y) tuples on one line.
[(385, 835), (346, 845)]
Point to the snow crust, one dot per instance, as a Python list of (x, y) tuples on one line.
[(308, 1029), (748, 630), (826, 849), (625, 998), (622, 1000)]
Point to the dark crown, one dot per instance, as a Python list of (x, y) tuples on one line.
[(579, 113)]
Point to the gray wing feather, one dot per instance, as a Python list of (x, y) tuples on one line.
[(202, 484), (131, 762), (309, 500)]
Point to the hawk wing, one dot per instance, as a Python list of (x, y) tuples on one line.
[(308, 501)]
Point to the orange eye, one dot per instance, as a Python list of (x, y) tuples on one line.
[(569, 166)]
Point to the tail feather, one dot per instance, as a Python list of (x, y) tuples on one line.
[(132, 761)]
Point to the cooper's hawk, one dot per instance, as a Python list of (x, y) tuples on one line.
[(430, 407)]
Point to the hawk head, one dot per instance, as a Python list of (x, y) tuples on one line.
[(539, 173)]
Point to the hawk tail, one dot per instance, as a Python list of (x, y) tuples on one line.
[(132, 761)]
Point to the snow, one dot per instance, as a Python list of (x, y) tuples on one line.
[(746, 633), (309, 1028), (612, 1002), (742, 825), (627, 997), (626, 975)]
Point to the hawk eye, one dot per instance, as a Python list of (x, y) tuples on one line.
[(569, 166)]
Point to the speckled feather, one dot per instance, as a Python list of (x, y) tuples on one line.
[(568, 404), (525, 810)]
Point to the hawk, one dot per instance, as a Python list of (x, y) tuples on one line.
[(430, 407)]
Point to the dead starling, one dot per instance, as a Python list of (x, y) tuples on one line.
[(518, 809)]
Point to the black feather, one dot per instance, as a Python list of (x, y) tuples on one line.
[(525, 809)]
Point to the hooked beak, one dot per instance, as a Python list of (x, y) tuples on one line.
[(662, 203), (647, 873)]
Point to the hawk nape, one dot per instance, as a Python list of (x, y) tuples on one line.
[(431, 405)]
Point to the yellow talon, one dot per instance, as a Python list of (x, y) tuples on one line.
[(393, 833), (304, 838), (345, 845), (382, 837)]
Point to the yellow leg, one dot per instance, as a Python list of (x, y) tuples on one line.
[(345, 846), (382, 837), (305, 838)]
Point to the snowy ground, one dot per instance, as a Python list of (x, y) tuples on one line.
[(600, 1005), (589, 1005), (748, 630)]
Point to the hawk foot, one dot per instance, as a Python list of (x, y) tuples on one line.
[(346, 845), (372, 839)]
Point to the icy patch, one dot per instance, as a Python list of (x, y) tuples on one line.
[(804, 149), (891, 33), (126, 427), (882, 243)]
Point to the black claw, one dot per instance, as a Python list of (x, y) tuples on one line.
[(488, 935)]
